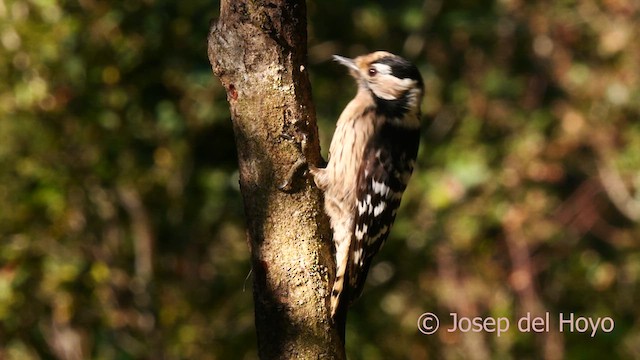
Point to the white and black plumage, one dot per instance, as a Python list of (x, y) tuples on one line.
[(371, 158)]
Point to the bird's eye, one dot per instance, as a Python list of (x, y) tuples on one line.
[(372, 71)]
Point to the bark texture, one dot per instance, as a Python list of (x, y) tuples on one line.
[(257, 48)]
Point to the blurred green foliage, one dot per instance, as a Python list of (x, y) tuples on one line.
[(121, 224)]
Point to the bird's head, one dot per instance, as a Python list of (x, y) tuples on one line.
[(387, 76)]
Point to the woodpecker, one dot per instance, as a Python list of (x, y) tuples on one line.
[(371, 158)]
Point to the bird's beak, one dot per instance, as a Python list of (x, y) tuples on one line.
[(346, 62)]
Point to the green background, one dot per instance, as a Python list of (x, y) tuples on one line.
[(114, 134)]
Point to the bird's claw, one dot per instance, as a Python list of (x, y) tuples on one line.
[(300, 139)]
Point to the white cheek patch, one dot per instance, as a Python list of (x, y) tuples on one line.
[(406, 83), (383, 69), (389, 87)]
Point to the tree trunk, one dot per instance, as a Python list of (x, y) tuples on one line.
[(258, 50)]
